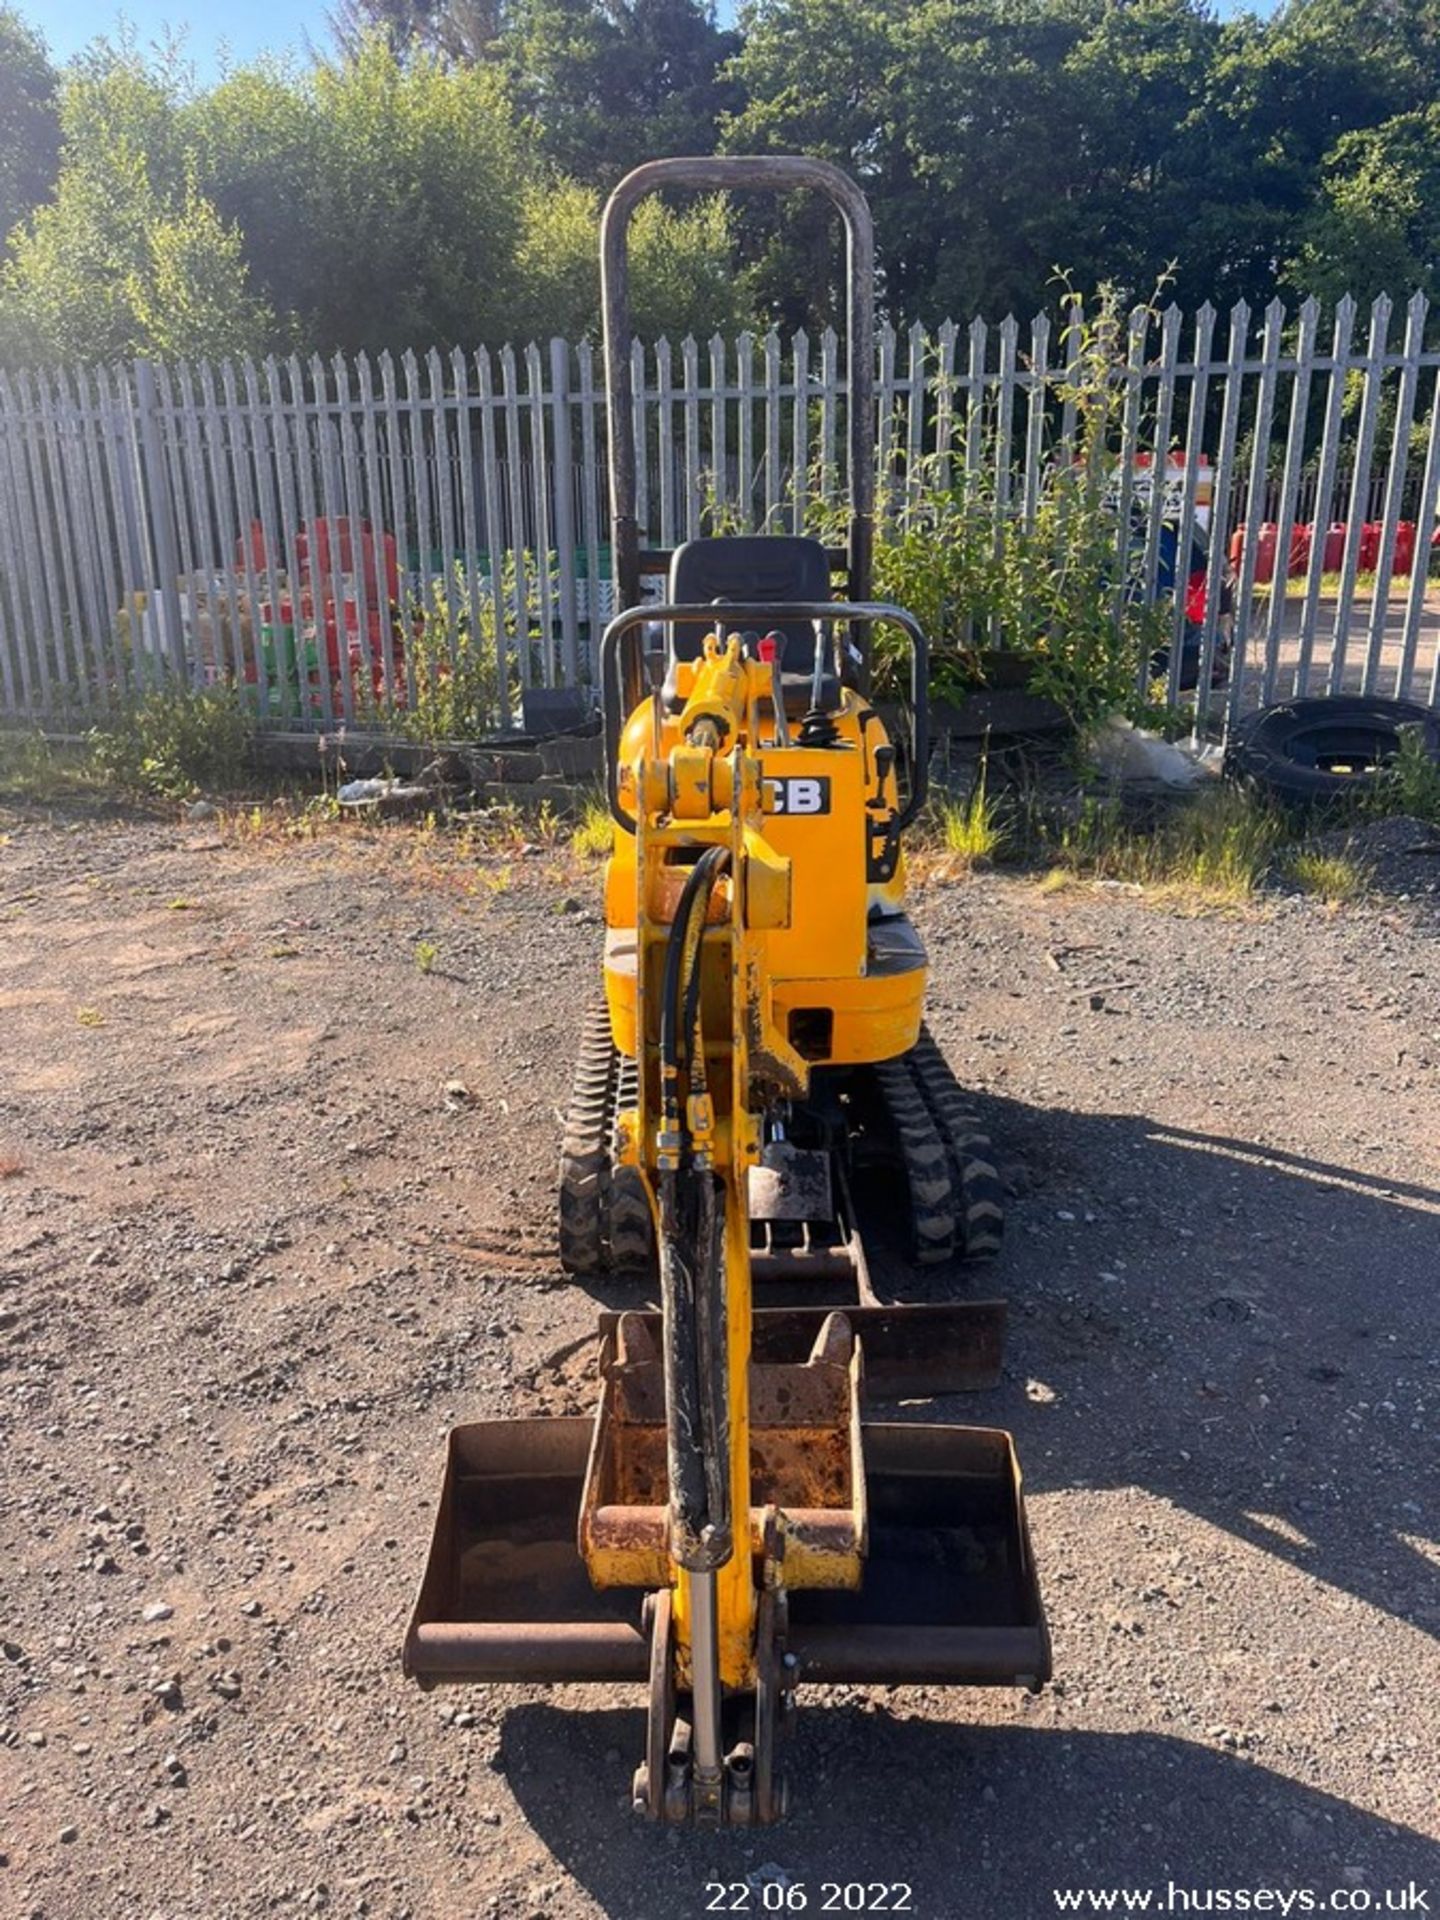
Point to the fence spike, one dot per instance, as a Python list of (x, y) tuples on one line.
[(71, 444)]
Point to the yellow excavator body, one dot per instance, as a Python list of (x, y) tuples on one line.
[(733, 1522)]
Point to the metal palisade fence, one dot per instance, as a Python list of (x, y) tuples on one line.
[(329, 536)]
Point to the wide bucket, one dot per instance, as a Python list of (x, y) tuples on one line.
[(505, 1594), (948, 1594)]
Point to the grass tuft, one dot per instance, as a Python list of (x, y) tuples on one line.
[(37, 772), (973, 830), (594, 833), (1411, 783), (1334, 878), (1219, 847)]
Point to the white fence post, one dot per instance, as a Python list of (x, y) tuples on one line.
[(189, 488), (1374, 364), (1395, 488), (159, 513)]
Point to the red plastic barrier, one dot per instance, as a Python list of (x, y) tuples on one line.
[(1264, 553), (1370, 546), (380, 635), (257, 549), (317, 535), (1300, 542), (1334, 547), (1405, 547), (313, 549)]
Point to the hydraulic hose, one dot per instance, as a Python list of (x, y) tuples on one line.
[(681, 960), (691, 1262)]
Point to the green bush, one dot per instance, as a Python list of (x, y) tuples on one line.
[(1411, 783), (451, 669), (1055, 586), (175, 742)]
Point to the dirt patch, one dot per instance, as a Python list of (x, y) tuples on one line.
[(254, 1261)]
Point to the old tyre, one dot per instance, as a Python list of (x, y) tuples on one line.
[(1325, 749)]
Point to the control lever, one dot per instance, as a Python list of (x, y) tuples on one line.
[(817, 683), (656, 659), (771, 652), (817, 729)]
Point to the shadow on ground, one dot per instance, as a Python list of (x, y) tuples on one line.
[(1246, 1332), (979, 1821)]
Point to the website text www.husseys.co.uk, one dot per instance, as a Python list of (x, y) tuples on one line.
[(1172, 1898)]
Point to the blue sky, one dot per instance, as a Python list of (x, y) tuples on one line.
[(246, 27)]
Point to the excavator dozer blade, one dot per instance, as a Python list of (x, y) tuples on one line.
[(911, 1352)]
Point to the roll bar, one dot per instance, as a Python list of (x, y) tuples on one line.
[(775, 173)]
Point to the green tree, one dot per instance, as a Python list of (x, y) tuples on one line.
[(455, 29), (964, 121), (1000, 138), (29, 120), (1140, 146), (257, 147), (683, 277), (379, 197), (128, 257), (190, 294), (414, 210), (609, 83), (1376, 228)]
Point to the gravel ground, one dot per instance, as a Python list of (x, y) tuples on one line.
[(255, 1259)]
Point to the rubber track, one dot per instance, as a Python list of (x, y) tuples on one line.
[(584, 1151), (632, 1229), (604, 1217), (925, 1152), (982, 1194)]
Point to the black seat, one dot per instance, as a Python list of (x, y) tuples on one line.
[(771, 568)]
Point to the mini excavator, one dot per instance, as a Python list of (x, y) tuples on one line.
[(731, 1525)]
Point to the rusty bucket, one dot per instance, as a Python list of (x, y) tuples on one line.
[(948, 1593)]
